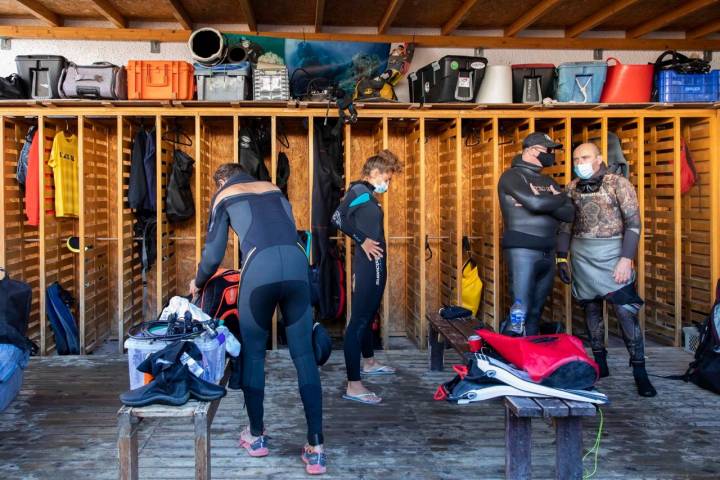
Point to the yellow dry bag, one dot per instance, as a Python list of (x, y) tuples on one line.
[(471, 287)]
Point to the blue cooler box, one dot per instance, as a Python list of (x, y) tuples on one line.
[(580, 82)]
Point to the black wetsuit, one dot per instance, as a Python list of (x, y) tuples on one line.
[(275, 272), (360, 216), (532, 213)]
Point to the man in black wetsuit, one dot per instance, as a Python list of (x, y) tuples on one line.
[(533, 206), (275, 272)]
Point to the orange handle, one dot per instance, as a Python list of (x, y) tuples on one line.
[(150, 76)]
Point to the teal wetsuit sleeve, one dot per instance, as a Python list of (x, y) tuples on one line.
[(215, 245), (342, 218)]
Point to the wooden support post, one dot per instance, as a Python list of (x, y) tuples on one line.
[(41, 236), (81, 232), (714, 204), (202, 446), (199, 167), (348, 242), (677, 222), (236, 159), (311, 168), (273, 178), (496, 225), (641, 205), (518, 446), (568, 448), (421, 240), (119, 200), (568, 175), (127, 444), (159, 215), (458, 210), (385, 327)]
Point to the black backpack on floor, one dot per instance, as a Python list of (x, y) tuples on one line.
[(704, 371)]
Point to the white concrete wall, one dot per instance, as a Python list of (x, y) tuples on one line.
[(85, 52)]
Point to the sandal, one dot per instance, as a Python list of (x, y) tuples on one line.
[(367, 398), (380, 370), (258, 448), (315, 462)]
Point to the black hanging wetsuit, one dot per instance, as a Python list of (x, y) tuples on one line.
[(532, 213), (360, 216), (275, 272)]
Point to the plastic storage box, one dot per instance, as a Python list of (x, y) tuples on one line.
[(527, 76), (160, 80), (580, 82), (226, 82), (270, 82), (138, 350), (688, 87), (41, 74), (450, 79)]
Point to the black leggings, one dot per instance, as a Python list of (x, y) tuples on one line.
[(278, 276), (369, 279)]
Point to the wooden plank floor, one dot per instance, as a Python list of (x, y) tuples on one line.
[(63, 426)]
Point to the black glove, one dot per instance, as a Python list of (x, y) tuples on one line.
[(563, 269)]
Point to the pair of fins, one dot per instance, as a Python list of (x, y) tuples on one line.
[(499, 379)]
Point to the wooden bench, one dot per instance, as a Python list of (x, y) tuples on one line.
[(201, 415), (519, 411)]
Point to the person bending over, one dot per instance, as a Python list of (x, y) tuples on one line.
[(360, 216), (603, 241), (533, 206), (275, 272)]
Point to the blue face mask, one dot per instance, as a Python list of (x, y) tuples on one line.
[(382, 187), (584, 171)]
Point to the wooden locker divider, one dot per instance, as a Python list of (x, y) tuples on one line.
[(120, 226), (236, 159), (160, 217), (81, 298), (415, 227), (19, 242), (348, 241), (459, 203), (496, 228), (385, 327), (714, 203), (97, 236), (677, 230), (273, 179), (567, 146), (199, 174)]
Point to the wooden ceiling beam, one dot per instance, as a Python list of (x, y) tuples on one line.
[(660, 21), (108, 10), (390, 13), (41, 12), (530, 17), (181, 15), (458, 17), (704, 30), (459, 41), (588, 23), (319, 14), (249, 15)]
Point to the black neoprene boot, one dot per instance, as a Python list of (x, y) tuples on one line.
[(170, 387), (644, 387), (601, 359), (202, 390)]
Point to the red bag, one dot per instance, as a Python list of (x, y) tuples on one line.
[(627, 83), (219, 298), (688, 174), (546, 358)]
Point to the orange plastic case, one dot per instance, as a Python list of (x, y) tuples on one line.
[(160, 80)]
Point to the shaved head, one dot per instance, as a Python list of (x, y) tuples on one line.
[(586, 149), (587, 154)]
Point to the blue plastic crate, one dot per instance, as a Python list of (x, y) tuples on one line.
[(691, 87)]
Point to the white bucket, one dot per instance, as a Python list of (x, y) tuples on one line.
[(497, 85), (207, 46)]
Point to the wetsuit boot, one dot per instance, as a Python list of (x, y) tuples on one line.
[(644, 387), (601, 359)]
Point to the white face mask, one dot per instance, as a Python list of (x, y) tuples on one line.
[(584, 171), (381, 187)]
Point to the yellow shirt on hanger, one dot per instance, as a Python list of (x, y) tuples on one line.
[(64, 162)]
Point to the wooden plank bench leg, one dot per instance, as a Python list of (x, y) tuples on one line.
[(518, 447), (437, 350), (127, 444), (202, 447), (568, 444)]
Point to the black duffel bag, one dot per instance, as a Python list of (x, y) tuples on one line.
[(12, 87)]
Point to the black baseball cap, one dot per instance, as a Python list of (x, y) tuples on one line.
[(542, 139)]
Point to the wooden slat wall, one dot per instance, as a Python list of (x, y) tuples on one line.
[(21, 255), (426, 198)]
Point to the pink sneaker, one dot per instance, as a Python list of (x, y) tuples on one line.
[(315, 463), (257, 448)]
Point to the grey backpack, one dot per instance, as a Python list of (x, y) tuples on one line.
[(99, 80)]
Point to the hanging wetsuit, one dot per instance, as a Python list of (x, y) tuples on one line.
[(360, 216), (275, 272), (606, 228), (533, 206)]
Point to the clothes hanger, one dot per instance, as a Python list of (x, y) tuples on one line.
[(181, 138)]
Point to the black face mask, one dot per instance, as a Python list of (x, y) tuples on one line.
[(546, 159), (591, 185)]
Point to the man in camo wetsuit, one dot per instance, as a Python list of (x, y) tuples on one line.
[(603, 241)]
